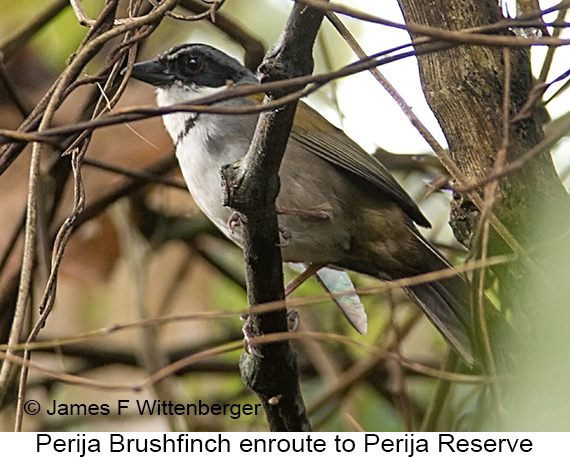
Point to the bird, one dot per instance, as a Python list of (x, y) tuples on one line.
[(337, 204)]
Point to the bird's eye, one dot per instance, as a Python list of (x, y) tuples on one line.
[(194, 64)]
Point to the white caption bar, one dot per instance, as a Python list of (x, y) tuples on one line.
[(326, 444)]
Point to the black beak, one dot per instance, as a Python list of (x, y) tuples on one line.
[(152, 72)]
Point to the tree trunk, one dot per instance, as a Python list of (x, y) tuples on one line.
[(465, 87)]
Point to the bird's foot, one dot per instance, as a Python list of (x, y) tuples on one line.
[(234, 221), (293, 321), (285, 234), (247, 336)]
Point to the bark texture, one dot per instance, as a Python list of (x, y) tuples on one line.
[(464, 87)]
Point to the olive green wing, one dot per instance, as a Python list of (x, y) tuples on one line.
[(331, 144)]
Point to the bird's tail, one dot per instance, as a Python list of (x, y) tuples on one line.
[(441, 308), (446, 304)]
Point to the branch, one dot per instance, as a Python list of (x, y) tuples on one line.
[(477, 94), (251, 188)]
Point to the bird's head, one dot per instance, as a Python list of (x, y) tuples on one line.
[(189, 71)]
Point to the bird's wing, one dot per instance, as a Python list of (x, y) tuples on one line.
[(331, 144)]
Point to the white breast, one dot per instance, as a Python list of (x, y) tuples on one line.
[(201, 172), (202, 151)]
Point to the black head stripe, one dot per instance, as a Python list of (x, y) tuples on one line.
[(204, 66)]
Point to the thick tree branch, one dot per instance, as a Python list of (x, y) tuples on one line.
[(252, 187), (465, 87)]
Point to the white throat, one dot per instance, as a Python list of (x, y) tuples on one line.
[(176, 123)]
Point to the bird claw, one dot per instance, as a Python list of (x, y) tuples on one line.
[(285, 234), (247, 335), (234, 221), (293, 320)]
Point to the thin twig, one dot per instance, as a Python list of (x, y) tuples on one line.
[(66, 78), (135, 174), (490, 198), (209, 13), (414, 120), (549, 57), (477, 35), (86, 21)]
